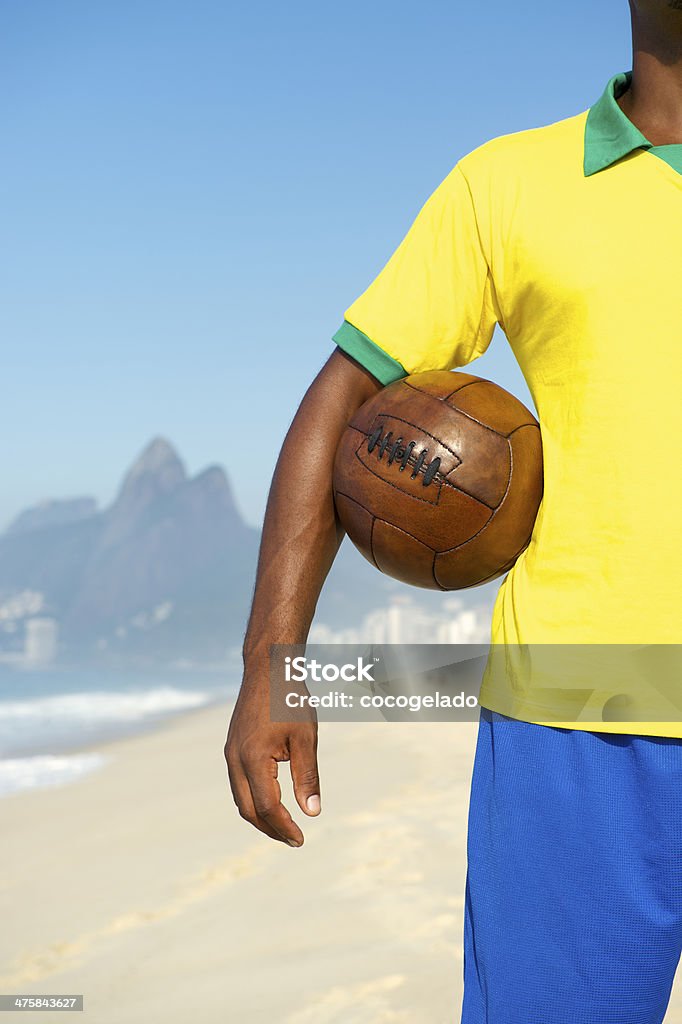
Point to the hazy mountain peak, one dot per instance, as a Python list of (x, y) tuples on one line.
[(157, 470), (214, 477), (211, 488), (160, 458), (155, 474)]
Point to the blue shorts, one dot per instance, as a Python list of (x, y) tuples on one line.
[(574, 884)]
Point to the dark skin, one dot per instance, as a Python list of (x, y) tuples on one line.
[(654, 100), (301, 534)]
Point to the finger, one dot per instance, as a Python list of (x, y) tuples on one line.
[(241, 793), (267, 799), (304, 771)]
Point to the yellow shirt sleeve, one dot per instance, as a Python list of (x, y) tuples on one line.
[(433, 305)]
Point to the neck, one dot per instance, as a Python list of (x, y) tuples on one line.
[(654, 100)]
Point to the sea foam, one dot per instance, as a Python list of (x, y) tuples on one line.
[(21, 773)]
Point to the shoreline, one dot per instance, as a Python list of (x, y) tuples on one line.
[(67, 760)]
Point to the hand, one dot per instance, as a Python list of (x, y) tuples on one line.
[(253, 748)]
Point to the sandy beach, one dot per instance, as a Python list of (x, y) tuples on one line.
[(141, 887)]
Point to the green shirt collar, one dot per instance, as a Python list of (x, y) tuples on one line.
[(609, 134)]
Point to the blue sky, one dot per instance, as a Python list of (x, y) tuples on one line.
[(192, 194)]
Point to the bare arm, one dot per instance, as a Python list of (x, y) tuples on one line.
[(301, 536)]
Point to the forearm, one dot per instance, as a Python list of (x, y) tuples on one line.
[(300, 540), (301, 533)]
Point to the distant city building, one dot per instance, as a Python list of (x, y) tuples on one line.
[(18, 606), (404, 621), (40, 641), (464, 626)]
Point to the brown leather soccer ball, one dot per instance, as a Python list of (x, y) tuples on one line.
[(438, 479)]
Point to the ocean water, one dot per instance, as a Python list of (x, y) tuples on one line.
[(51, 720)]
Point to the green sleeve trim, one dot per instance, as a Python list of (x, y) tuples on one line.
[(368, 354)]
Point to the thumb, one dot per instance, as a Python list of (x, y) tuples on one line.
[(304, 772)]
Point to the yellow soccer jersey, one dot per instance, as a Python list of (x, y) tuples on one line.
[(569, 237)]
